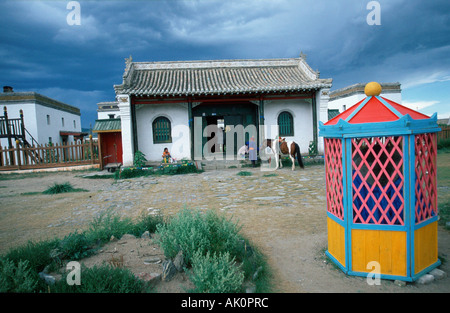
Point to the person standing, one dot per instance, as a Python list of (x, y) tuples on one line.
[(252, 153)]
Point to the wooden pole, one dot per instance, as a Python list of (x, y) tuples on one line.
[(18, 153), (91, 147), (22, 126)]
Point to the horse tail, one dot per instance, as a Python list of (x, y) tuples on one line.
[(299, 156)]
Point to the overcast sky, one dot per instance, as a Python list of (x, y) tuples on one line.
[(79, 64)]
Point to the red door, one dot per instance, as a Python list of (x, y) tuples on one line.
[(111, 147)]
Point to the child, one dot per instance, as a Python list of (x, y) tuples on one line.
[(166, 155)]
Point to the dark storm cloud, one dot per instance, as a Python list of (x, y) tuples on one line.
[(79, 65)]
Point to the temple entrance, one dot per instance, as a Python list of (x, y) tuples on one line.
[(225, 128)]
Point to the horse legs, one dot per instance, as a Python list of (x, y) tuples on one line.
[(293, 161), (279, 160)]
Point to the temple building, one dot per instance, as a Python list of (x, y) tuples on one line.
[(188, 105)]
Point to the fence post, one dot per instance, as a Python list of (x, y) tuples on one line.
[(18, 153), (91, 148)]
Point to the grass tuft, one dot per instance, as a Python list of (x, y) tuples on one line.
[(62, 188)]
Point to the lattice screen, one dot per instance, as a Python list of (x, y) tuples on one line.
[(425, 184), (377, 180), (333, 166)]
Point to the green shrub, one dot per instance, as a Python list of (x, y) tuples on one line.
[(244, 173), (102, 279), (109, 224), (61, 188), (17, 278), (131, 172), (139, 159), (443, 144), (190, 231), (106, 225), (37, 254), (145, 222), (75, 246), (176, 169), (215, 273)]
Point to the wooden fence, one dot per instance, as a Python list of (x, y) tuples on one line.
[(444, 133), (49, 155)]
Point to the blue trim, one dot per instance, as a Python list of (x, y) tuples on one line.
[(335, 261), (390, 107), (403, 126), (412, 205), (426, 270), (336, 219), (349, 208), (358, 108), (428, 221), (407, 198), (382, 276), (380, 227), (391, 277)]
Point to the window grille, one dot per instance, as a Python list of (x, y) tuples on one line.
[(161, 130), (286, 124)]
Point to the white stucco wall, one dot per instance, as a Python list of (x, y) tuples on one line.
[(301, 111), (72, 123), (177, 113), (102, 115)]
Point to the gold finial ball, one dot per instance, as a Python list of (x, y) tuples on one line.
[(372, 89)]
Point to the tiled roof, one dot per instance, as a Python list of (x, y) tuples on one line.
[(219, 77), (26, 97), (107, 125)]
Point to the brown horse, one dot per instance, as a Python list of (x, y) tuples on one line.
[(291, 148)]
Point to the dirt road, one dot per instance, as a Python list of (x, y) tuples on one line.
[(283, 213)]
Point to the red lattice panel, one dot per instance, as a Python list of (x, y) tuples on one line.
[(333, 166), (426, 176), (377, 180)]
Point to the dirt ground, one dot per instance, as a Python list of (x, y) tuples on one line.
[(283, 213)]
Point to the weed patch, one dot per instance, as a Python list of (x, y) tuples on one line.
[(62, 188)]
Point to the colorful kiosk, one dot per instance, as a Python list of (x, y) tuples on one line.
[(380, 163)]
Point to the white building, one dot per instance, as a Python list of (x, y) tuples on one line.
[(45, 119), (183, 105), (108, 110), (344, 98)]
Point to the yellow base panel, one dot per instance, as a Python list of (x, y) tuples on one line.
[(336, 241), (425, 247), (388, 248)]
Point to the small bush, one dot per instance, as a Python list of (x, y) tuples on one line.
[(75, 246), (139, 159), (145, 223), (102, 279), (131, 172), (443, 144), (190, 231), (216, 273), (37, 254), (17, 278), (61, 188), (106, 225), (244, 173), (109, 224)]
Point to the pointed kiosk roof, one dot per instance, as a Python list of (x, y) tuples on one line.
[(377, 114)]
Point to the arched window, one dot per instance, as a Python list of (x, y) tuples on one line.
[(162, 130), (286, 124)]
